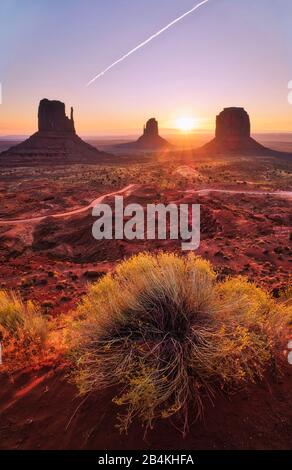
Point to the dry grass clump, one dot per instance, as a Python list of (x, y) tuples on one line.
[(286, 295), (23, 330), (168, 334)]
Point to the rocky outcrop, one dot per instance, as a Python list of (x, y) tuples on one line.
[(150, 140), (52, 117), (232, 125), (233, 135), (151, 129), (55, 140)]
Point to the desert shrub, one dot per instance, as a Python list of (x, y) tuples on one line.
[(164, 331), (23, 330), (286, 296)]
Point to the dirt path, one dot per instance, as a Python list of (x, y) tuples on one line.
[(284, 194), (125, 191), (129, 189)]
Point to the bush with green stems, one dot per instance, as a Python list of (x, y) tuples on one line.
[(167, 333)]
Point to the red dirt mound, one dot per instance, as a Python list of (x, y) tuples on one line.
[(42, 410)]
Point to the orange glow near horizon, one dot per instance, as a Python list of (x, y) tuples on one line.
[(102, 123), (223, 56), (186, 124)]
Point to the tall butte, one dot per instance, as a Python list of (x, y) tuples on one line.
[(233, 135), (149, 140), (52, 117), (56, 139)]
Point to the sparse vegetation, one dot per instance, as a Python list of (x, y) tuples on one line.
[(168, 334), (23, 330), (286, 295)]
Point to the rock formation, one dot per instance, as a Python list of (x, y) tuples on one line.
[(150, 140), (55, 140), (151, 129), (232, 125), (52, 117), (232, 135)]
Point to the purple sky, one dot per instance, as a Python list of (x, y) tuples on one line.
[(227, 53)]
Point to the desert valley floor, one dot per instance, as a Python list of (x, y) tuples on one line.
[(245, 229)]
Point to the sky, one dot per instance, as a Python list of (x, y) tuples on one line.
[(227, 53)]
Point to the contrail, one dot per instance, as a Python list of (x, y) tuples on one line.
[(147, 41)]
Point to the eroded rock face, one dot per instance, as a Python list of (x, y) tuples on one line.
[(52, 117), (149, 140), (233, 135), (232, 124), (55, 139), (151, 128)]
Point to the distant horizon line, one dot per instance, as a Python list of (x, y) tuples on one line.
[(171, 131)]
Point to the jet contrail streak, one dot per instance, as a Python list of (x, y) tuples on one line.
[(147, 41)]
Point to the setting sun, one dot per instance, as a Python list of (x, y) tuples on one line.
[(186, 124)]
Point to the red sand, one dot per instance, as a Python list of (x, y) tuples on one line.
[(42, 410)]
